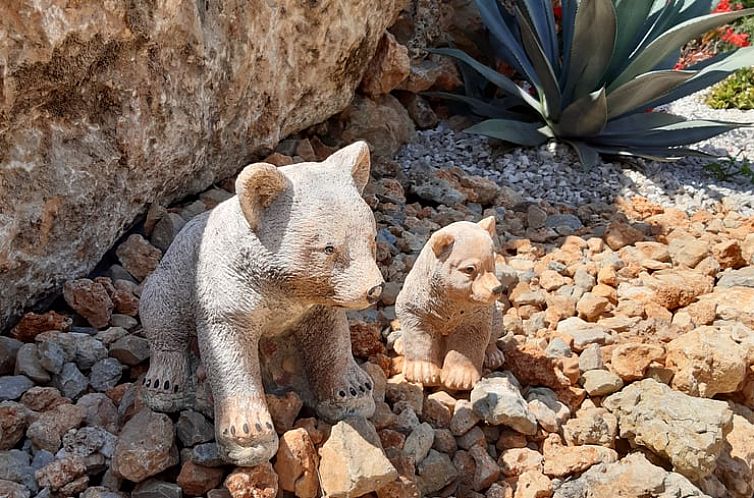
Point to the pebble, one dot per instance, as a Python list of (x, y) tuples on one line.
[(419, 442), (154, 488), (498, 400), (27, 363), (193, 428), (130, 350), (8, 350), (71, 382), (601, 382), (105, 374), (13, 386)]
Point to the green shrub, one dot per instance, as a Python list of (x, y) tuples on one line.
[(737, 91), (594, 83)]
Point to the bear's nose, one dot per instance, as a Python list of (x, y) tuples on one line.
[(374, 293), (498, 290)]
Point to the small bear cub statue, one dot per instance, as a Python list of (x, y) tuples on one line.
[(447, 310), (284, 258)]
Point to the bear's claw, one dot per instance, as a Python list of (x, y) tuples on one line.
[(351, 397), (493, 358), (244, 430), (424, 372), (166, 386)]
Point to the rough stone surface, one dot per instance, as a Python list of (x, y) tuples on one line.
[(196, 480), (435, 472), (296, 464), (707, 361), (253, 482), (562, 461), (47, 431), (689, 432), (145, 446), (631, 476), (498, 400), (148, 68), (13, 386), (352, 460), (90, 299), (591, 426)]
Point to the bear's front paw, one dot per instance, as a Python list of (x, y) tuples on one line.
[(347, 395), (458, 372), (424, 372), (244, 430), (493, 358)]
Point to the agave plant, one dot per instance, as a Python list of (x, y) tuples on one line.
[(595, 81)]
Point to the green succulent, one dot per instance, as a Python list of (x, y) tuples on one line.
[(594, 84)]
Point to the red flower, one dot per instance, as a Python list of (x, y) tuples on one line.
[(737, 39), (723, 6), (558, 11)]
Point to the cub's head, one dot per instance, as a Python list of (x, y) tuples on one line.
[(312, 219), (464, 266)]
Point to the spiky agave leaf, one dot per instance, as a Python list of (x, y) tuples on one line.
[(612, 68)]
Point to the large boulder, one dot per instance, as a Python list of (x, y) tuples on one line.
[(107, 108)]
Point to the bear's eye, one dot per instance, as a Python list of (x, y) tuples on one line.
[(469, 270), (329, 249)]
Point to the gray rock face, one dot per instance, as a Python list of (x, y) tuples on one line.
[(130, 350), (13, 386), (689, 432), (738, 278), (105, 374), (71, 382), (27, 363), (154, 488), (16, 467), (192, 428), (498, 400), (8, 349), (632, 476), (89, 351), (201, 79)]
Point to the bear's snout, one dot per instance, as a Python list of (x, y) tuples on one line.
[(373, 294)]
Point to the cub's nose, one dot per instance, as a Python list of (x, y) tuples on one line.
[(498, 290), (373, 295)]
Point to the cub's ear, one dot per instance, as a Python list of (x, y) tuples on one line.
[(441, 242), (257, 186), (488, 224), (355, 157)]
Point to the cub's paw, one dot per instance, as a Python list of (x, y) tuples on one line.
[(493, 358), (244, 430), (167, 385), (424, 372), (348, 395), (458, 372)]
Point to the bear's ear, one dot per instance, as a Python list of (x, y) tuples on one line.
[(441, 242), (355, 157), (257, 186), (488, 224)]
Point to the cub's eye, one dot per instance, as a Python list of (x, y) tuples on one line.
[(469, 270), (329, 249)]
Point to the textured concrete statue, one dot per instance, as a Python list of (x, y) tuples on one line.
[(283, 258), (447, 308)]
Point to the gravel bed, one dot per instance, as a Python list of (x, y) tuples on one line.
[(552, 172)]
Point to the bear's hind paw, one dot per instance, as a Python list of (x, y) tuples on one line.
[(166, 386)]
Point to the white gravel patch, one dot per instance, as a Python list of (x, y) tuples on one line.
[(552, 172)]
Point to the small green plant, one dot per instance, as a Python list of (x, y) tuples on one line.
[(729, 167), (737, 91), (593, 85)]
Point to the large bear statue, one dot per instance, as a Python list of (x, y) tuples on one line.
[(285, 257)]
